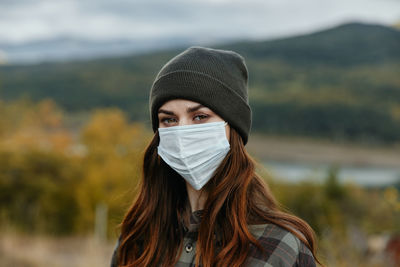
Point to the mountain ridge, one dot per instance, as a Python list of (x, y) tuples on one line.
[(325, 44), (341, 83)]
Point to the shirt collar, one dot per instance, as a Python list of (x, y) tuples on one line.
[(195, 220)]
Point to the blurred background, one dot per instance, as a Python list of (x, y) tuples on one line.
[(74, 121)]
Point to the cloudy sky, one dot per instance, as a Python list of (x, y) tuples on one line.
[(26, 20), (46, 30)]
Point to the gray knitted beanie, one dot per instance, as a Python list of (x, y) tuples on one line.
[(214, 78)]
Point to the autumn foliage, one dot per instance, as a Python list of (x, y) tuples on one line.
[(56, 168)]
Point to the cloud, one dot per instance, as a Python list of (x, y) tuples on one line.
[(26, 20)]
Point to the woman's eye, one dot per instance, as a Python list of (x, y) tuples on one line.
[(168, 120), (200, 117)]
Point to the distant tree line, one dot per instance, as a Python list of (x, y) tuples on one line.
[(335, 121)]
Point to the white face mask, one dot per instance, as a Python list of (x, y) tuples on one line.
[(194, 151)]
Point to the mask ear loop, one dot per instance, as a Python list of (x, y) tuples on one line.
[(227, 137)]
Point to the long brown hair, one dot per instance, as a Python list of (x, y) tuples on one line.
[(153, 229)]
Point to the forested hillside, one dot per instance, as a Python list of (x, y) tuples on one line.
[(341, 83)]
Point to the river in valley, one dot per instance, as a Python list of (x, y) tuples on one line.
[(362, 175)]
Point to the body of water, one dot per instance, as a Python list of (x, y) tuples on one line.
[(365, 176)]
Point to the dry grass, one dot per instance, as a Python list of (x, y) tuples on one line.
[(18, 250), (37, 251)]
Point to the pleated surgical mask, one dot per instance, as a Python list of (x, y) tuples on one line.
[(194, 151)]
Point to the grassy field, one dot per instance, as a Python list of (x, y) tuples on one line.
[(18, 250)]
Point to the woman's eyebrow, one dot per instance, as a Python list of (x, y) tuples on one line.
[(165, 111), (188, 110), (193, 109)]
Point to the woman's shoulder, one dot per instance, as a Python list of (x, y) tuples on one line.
[(280, 247)]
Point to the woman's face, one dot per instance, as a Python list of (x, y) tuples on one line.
[(179, 112)]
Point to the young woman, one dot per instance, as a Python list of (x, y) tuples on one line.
[(200, 201)]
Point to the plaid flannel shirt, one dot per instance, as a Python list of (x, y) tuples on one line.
[(281, 247)]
